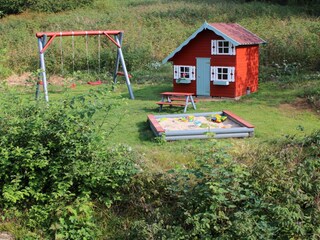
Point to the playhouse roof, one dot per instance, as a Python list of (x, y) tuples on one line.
[(232, 32)]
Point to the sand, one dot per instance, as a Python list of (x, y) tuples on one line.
[(193, 123)]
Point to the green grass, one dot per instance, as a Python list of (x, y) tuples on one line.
[(271, 110), (153, 29)]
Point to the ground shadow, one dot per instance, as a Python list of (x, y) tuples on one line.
[(165, 110), (145, 132), (149, 92)]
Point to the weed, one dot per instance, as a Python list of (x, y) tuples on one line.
[(161, 139)]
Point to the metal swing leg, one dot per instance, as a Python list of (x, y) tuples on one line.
[(120, 54), (41, 43)]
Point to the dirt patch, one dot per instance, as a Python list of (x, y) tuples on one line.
[(301, 103), (58, 80), (24, 79), (27, 79), (298, 105), (6, 236)]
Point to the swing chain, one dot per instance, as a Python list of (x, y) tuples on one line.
[(87, 52), (73, 54), (61, 53), (99, 54)]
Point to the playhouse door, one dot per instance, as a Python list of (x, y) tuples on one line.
[(203, 76)]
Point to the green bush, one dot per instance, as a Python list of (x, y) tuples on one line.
[(19, 6), (13, 6), (59, 6), (55, 157), (275, 197)]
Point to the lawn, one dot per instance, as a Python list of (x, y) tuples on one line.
[(271, 110)]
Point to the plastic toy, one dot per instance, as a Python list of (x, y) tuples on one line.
[(197, 123), (218, 118), (190, 118), (183, 119)]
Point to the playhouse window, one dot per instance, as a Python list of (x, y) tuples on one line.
[(222, 74), (184, 72), (222, 47)]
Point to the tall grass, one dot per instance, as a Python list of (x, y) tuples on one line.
[(154, 28)]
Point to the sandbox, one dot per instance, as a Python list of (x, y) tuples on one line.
[(199, 126)]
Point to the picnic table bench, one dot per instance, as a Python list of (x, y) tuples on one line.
[(176, 99)]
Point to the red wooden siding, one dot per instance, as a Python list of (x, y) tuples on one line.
[(223, 91), (246, 62), (247, 69), (189, 88), (200, 46)]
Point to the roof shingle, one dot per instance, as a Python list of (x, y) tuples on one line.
[(232, 32), (237, 33)]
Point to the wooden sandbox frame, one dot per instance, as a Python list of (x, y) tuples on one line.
[(243, 129)]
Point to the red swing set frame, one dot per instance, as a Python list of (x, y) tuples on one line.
[(43, 45)]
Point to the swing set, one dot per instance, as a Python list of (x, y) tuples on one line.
[(117, 38)]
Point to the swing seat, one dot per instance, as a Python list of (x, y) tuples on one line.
[(95, 83), (122, 74)]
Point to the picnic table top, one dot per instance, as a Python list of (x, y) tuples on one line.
[(177, 93)]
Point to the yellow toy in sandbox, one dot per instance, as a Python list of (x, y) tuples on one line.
[(218, 118), (187, 119), (190, 118)]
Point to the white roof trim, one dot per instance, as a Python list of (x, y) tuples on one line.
[(203, 27)]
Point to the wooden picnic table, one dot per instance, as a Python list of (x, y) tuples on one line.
[(176, 99)]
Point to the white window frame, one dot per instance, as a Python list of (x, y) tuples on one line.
[(215, 47), (222, 73), (184, 72)]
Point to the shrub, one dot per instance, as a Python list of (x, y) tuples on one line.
[(59, 6), (19, 6), (276, 197), (13, 6), (55, 158)]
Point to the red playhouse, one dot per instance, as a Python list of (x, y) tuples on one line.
[(218, 60)]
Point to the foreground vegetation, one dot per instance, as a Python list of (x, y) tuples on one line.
[(88, 167)]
